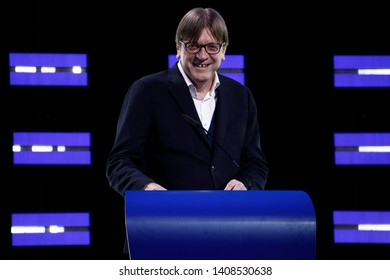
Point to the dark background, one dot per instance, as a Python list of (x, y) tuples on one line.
[(288, 52)]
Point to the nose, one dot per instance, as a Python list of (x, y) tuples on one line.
[(202, 52)]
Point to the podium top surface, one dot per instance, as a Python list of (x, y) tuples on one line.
[(202, 202)]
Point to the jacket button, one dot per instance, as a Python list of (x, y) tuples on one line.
[(212, 168)]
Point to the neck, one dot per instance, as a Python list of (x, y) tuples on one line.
[(203, 88)]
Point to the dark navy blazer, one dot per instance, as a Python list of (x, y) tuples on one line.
[(155, 143)]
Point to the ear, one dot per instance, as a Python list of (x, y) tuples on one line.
[(223, 56), (178, 51), (223, 51)]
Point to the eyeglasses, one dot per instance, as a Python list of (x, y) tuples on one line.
[(193, 48)]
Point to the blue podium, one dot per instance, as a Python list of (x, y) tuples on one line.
[(220, 225)]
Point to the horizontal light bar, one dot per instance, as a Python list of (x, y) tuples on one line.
[(361, 226), (50, 229), (49, 148), (362, 148), (361, 71), (48, 69)]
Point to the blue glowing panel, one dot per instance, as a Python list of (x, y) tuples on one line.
[(361, 227), (361, 71), (52, 148), (48, 69), (362, 148), (50, 229), (232, 66)]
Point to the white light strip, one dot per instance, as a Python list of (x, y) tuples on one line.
[(374, 71), (48, 69), (61, 149), (44, 69), (37, 148), (25, 69), (76, 70), (375, 149), (374, 227), (27, 229), (45, 149), (36, 229), (56, 229), (16, 148)]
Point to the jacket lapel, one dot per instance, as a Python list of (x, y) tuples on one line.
[(180, 93), (222, 113)]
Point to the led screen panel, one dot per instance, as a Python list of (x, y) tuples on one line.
[(232, 66), (48, 69), (52, 148), (50, 229), (361, 71), (362, 148), (364, 227)]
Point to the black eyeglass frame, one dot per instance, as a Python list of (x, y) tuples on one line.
[(202, 46)]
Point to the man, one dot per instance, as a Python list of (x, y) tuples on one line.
[(189, 128)]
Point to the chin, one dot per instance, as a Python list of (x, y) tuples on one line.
[(203, 76)]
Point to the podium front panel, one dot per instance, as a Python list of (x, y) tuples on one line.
[(236, 225)]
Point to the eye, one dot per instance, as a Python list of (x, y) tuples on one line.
[(193, 47), (212, 47)]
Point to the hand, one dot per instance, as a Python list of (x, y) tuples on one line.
[(235, 185), (154, 187)]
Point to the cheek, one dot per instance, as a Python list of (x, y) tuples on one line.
[(180, 53)]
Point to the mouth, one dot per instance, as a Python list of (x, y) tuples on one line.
[(201, 65)]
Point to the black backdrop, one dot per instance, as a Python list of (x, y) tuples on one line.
[(288, 65)]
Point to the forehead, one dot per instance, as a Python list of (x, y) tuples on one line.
[(205, 37)]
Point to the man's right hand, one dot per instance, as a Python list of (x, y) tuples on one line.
[(154, 187)]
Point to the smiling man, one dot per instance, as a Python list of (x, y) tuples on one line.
[(189, 127)]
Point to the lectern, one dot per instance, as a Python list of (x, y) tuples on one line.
[(220, 225)]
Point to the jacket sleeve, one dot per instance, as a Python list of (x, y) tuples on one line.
[(124, 164), (254, 168)]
